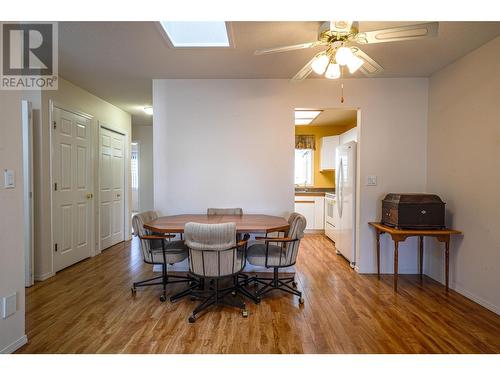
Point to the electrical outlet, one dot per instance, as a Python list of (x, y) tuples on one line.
[(9, 306), (371, 181)]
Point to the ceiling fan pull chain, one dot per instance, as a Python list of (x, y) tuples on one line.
[(342, 93)]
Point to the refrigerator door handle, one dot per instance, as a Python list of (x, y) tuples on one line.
[(341, 195)]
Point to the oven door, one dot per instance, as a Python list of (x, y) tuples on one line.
[(329, 210)]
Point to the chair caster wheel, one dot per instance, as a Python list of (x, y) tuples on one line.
[(192, 319), (163, 298), (294, 284), (257, 300), (244, 313), (255, 285), (233, 294), (301, 300), (192, 298), (133, 291)]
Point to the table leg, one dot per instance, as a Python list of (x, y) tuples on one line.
[(396, 245), (447, 261), (421, 248), (378, 254)]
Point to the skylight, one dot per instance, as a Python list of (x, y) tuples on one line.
[(197, 34), (305, 116)]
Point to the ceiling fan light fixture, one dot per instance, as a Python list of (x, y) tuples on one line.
[(333, 71), (343, 55), (320, 63), (354, 64)]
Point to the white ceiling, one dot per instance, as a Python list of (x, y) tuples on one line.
[(117, 60)]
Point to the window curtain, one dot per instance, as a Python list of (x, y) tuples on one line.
[(305, 142)]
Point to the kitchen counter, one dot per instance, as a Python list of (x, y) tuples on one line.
[(313, 192)]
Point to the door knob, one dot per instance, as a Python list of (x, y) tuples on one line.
[(90, 195), (118, 195)]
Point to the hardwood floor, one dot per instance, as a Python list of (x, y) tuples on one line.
[(88, 308)]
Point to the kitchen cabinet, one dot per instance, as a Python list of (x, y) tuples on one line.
[(349, 136), (312, 207), (327, 152)]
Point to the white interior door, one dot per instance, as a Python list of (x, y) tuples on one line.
[(72, 188), (112, 187)]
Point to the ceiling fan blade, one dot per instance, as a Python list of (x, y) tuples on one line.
[(370, 67), (417, 31), (340, 26), (305, 71), (286, 48)]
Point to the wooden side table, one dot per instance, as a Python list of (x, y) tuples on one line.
[(400, 235)]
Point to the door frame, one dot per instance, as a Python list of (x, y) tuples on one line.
[(126, 184), (54, 104), (28, 194)]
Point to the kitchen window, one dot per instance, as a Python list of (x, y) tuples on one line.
[(304, 162)]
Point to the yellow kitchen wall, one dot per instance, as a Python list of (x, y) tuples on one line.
[(322, 179)]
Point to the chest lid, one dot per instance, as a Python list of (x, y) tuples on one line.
[(412, 198)]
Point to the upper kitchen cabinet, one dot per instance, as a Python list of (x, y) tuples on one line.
[(327, 152), (349, 136)]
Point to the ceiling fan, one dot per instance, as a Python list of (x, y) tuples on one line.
[(341, 39)]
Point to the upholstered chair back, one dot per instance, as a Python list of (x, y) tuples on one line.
[(138, 221), (225, 211), (212, 249), (296, 232)]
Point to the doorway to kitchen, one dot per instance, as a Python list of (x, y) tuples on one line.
[(325, 173)]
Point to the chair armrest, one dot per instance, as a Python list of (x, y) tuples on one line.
[(241, 243), (275, 239), (155, 237)]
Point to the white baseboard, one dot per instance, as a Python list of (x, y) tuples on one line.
[(15, 345), (44, 276), (471, 296), (482, 302)]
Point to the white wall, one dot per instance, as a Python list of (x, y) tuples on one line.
[(70, 97), (464, 169), (12, 333), (143, 134), (230, 143)]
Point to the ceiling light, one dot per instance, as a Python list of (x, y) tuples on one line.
[(333, 71), (343, 55), (320, 63), (148, 110), (354, 64), (197, 34), (306, 114)]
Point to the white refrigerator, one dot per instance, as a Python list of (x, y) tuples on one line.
[(345, 177)]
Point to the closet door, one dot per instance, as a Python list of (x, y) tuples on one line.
[(72, 188), (112, 187)]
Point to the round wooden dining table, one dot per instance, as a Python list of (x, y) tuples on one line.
[(244, 223)]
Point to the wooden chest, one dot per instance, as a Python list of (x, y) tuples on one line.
[(419, 211)]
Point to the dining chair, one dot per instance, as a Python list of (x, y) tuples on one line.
[(159, 249), (224, 211), (215, 255), (276, 253)]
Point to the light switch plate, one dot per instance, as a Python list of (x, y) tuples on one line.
[(9, 306), (371, 181), (9, 179)]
